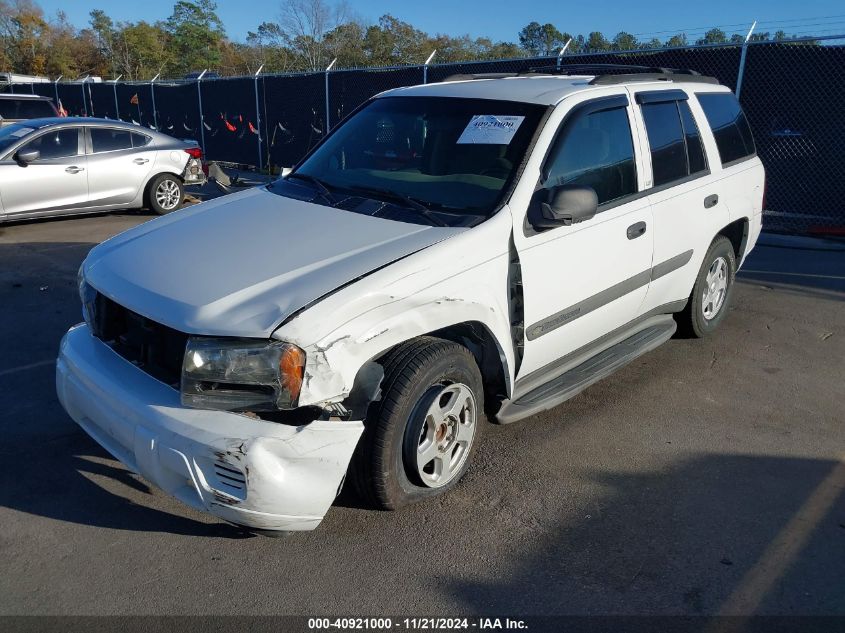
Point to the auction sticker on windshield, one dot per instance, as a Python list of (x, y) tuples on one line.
[(490, 129)]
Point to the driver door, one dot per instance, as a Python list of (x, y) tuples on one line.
[(54, 182), (587, 279)]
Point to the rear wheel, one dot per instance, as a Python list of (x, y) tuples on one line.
[(419, 438), (165, 193), (712, 292)]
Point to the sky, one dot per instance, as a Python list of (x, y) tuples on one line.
[(502, 19)]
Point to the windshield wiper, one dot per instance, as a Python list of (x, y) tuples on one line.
[(321, 186), (409, 201)]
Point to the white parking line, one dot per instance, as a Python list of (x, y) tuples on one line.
[(786, 546), (40, 363)]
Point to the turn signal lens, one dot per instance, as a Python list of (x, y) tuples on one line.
[(292, 370)]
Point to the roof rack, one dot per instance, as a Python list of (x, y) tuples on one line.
[(627, 72), (471, 76), (603, 73)]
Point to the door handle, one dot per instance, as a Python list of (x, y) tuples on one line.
[(141, 161), (635, 230), (711, 201), (73, 169)]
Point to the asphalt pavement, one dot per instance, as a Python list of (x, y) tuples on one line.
[(706, 477)]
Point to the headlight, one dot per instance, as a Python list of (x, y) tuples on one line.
[(88, 296), (241, 375)]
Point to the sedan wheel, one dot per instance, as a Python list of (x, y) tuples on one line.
[(165, 193), (168, 195)]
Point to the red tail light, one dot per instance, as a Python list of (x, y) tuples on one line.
[(194, 152)]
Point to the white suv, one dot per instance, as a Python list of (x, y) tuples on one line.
[(485, 245)]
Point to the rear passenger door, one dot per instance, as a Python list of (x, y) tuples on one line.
[(684, 192), (582, 281), (119, 161)]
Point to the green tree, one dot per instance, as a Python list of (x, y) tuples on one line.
[(73, 53), (596, 41), (624, 41), (103, 29), (677, 41), (541, 39), (196, 33), (713, 36), (393, 41), (267, 46), (143, 50), (346, 43), (23, 31)]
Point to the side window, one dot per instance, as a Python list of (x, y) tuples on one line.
[(695, 150), (105, 139), (140, 140), (55, 144), (729, 125), (596, 150), (666, 140)]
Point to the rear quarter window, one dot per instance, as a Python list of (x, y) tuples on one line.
[(729, 125)]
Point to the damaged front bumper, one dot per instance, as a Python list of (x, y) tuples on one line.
[(260, 474)]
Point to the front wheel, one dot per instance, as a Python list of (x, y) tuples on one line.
[(712, 292), (418, 439), (165, 193)]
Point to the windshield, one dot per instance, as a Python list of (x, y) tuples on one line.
[(11, 134), (449, 156)]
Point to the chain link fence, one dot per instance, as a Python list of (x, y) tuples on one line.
[(791, 91)]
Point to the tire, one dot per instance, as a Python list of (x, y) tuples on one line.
[(165, 193), (705, 310), (400, 433)]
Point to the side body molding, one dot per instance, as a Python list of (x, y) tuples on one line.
[(604, 297)]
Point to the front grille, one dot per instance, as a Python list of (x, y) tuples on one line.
[(152, 347)]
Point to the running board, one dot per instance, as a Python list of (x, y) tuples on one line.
[(575, 380)]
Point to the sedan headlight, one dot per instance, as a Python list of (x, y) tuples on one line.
[(88, 296), (241, 375)]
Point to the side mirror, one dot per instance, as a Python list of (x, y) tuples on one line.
[(563, 205), (27, 156), (286, 171)]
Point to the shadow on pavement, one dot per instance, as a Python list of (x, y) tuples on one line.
[(739, 534)]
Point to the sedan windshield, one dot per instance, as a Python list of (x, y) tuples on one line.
[(437, 156), (11, 134)]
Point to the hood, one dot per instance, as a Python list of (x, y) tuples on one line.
[(240, 265)]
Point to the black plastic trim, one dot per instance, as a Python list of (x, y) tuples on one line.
[(661, 96), (737, 161), (610, 80)]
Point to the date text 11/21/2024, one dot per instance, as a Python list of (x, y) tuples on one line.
[(416, 624)]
